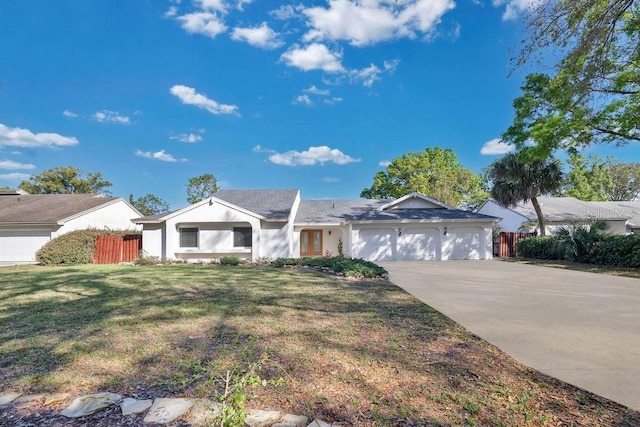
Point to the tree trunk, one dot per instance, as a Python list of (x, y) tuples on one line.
[(536, 206)]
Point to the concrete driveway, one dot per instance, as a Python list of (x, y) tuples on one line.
[(582, 328)]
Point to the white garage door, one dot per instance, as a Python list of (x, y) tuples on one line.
[(418, 244), (462, 243), (376, 245), (20, 246)]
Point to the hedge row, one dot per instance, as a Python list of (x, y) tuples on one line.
[(75, 247), (607, 250), (351, 267)]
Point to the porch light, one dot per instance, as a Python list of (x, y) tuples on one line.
[(445, 231), (399, 231), (329, 232)]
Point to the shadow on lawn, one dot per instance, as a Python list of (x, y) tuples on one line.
[(168, 329)]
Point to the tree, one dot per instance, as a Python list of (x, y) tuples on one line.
[(434, 172), (594, 95), (588, 179), (65, 180), (626, 181), (518, 177), (149, 204), (201, 187)]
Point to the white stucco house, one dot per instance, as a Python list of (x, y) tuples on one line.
[(620, 217), (28, 221), (253, 224)]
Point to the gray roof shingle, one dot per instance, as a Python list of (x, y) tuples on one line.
[(572, 209), (271, 204), (47, 208), (338, 211)]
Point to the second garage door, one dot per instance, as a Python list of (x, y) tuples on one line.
[(377, 245), (20, 246), (418, 244), (462, 243)]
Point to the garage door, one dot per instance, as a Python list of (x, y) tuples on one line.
[(462, 243), (21, 246), (376, 245), (418, 244)]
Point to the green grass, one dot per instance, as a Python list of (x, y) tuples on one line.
[(359, 352)]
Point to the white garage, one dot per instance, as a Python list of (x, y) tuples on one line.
[(418, 244), (463, 243), (377, 244), (20, 246)]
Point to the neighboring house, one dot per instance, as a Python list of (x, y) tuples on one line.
[(620, 217), (28, 221), (253, 224)]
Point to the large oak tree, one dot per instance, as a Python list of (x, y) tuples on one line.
[(66, 180)]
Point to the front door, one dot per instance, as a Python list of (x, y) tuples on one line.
[(310, 242)]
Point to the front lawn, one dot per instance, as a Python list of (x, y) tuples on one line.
[(359, 352)]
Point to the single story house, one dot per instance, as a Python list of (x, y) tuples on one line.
[(620, 217), (254, 224), (28, 221)]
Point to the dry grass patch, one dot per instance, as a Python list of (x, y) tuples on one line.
[(590, 268), (358, 352)]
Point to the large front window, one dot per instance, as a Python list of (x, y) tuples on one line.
[(242, 237), (188, 237), (310, 242)]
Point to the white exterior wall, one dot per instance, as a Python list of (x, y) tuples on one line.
[(19, 246), (153, 237), (511, 221), (415, 203), (275, 240), (215, 223), (116, 216)]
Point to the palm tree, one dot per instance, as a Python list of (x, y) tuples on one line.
[(517, 177)]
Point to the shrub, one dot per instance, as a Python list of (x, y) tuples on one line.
[(75, 247), (542, 247), (351, 267), (229, 260)]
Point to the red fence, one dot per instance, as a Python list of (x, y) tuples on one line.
[(117, 249), (508, 243)]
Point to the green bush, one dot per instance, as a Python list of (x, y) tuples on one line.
[(229, 260), (542, 247), (351, 267), (75, 247)]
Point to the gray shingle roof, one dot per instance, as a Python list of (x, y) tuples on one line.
[(338, 211), (610, 210), (271, 204), (47, 208), (572, 209)]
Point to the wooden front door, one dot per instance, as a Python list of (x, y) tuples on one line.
[(310, 242)]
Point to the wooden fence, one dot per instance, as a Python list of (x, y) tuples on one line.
[(117, 249), (508, 243)]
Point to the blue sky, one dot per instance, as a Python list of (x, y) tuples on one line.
[(315, 95)]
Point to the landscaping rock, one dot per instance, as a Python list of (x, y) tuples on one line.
[(23, 401), (52, 399), (92, 403), (319, 423), (203, 413), (292, 421), (8, 397), (165, 410), (258, 418), (134, 406)]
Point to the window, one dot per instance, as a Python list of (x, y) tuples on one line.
[(242, 237), (188, 237), (310, 242)]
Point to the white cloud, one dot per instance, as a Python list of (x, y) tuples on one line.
[(106, 116), (496, 146), (218, 5), (189, 96), (312, 156), (367, 75), (371, 21), (302, 100), (330, 179), (241, 3), (18, 137), (316, 56), (173, 11), (187, 137), (206, 23), (333, 101), (158, 155), (11, 165), (384, 163), (313, 90), (287, 12), (262, 36), (515, 8), (14, 176), (68, 113)]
